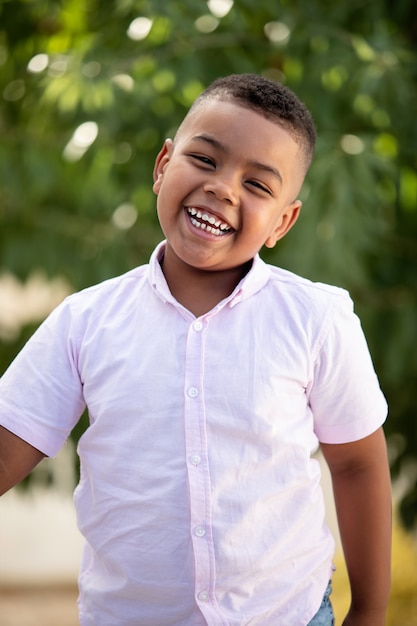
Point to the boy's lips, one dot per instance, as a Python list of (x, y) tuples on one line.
[(204, 219)]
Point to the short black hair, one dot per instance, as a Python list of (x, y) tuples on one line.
[(272, 99)]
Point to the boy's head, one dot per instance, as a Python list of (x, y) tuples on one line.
[(228, 183), (269, 98)]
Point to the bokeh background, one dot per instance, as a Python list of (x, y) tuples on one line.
[(89, 91)]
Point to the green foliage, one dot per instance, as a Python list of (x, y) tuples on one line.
[(69, 194)]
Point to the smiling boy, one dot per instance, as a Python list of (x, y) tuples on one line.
[(210, 379), (245, 175)]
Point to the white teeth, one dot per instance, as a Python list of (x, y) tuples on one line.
[(208, 223), (210, 229)]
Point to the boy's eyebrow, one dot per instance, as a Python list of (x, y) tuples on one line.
[(218, 144)]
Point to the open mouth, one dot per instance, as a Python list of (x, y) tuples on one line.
[(207, 222)]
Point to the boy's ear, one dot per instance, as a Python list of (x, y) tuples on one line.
[(161, 162), (287, 221)]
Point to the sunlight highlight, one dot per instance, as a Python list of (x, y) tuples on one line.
[(38, 63), (219, 8), (139, 29), (84, 136), (124, 216)]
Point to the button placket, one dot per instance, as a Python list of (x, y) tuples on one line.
[(196, 449)]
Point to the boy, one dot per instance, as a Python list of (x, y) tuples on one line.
[(210, 380)]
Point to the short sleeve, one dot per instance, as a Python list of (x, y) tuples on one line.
[(41, 395), (345, 395)]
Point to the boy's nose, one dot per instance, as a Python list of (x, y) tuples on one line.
[(223, 188)]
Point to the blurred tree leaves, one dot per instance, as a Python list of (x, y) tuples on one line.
[(90, 90)]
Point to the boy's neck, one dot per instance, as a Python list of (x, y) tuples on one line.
[(199, 291)]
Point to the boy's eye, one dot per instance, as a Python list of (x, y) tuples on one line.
[(203, 159), (259, 186)]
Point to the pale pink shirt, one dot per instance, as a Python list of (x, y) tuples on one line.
[(199, 498)]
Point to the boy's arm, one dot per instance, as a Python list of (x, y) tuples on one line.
[(17, 459), (362, 492)]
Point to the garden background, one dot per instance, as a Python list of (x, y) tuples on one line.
[(89, 91)]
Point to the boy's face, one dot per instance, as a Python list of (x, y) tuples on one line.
[(226, 186)]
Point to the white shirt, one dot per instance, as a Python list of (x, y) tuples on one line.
[(199, 498)]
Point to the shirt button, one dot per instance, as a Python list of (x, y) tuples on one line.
[(203, 596), (195, 459), (193, 392), (198, 325), (200, 531)]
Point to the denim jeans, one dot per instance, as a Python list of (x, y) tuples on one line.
[(324, 616)]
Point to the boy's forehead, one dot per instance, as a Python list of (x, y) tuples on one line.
[(210, 112), (221, 116), (199, 109)]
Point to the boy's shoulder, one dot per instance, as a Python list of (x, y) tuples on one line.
[(120, 288), (299, 286), (306, 305), (121, 281)]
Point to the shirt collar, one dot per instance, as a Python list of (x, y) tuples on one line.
[(254, 281)]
